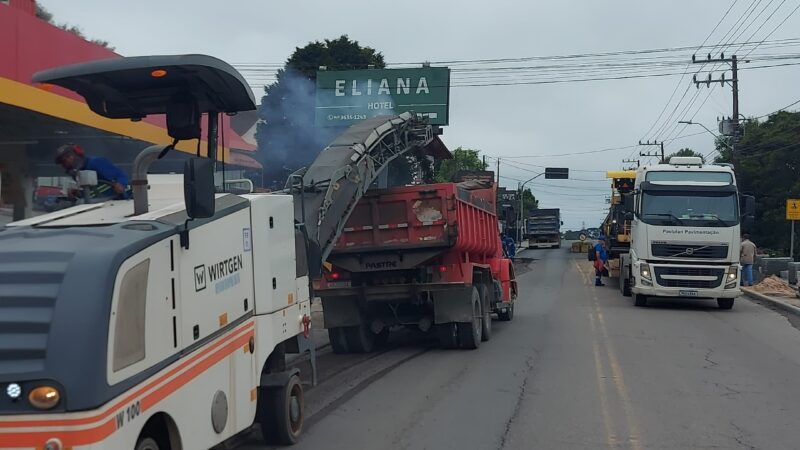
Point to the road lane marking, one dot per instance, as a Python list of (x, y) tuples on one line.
[(611, 438), (616, 370)]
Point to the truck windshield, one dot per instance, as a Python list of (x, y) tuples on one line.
[(699, 209)]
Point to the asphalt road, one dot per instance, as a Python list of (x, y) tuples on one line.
[(581, 367)]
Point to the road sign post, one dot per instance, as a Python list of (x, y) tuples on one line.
[(792, 213)]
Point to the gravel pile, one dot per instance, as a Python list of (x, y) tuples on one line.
[(775, 286)]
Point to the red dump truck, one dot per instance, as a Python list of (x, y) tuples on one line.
[(426, 256)]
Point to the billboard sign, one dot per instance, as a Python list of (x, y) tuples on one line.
[(348, 96)]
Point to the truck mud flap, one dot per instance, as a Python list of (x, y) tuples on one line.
[(454, 305), (340, 312)]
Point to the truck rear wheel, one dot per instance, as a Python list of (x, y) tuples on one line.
[(640, 300), (469, 333), (338, 340), (360, 339), (283, 412), (486, 323), (725, 303), (447, 334)]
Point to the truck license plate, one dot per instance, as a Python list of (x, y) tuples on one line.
[(338, 284), (688, 293)]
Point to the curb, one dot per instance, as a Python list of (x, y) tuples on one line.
[(774, 302)]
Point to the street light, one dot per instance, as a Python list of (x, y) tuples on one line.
[(550, 173), (689, 122)]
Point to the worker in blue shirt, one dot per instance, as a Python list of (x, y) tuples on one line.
[(511, 247), (600, 260), (112, 181)]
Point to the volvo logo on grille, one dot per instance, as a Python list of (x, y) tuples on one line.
[(689, 251)]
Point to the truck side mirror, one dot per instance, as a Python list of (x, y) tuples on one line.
[(748, 217), (749, 206), (198, 188)]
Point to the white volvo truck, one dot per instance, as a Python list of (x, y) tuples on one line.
[(685, 232)]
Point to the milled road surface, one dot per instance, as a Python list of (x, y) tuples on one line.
[(581, 367)]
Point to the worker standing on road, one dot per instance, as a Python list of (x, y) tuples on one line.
[(511, 247), (747, 258), (114, 180), (600, 260)]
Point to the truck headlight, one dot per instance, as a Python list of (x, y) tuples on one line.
[(644, 271), (731, 277)]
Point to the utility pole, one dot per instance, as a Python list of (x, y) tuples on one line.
[(498, 171), (661, 144), (631, 161), (734, 81)]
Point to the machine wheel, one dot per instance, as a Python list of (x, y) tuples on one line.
[(469, 333), (725, 303), (486, 323), (282, 412), (360, 339), (382, 338), (640, 300), (147, 444), (506, 316), (338, 340), (625, 286), (448, 335)]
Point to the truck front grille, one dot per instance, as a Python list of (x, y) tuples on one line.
[(688, 273), (690, 251)]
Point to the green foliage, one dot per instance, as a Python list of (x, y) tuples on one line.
[(463, 159), (687, 152), (47, 16), (529, 201), (767, 164), (287, 138), (335, 54)]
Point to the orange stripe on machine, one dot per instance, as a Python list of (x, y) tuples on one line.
[(205, 359)]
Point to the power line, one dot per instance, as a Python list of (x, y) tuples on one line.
[(777, 110), (776, 27), (685, 71)]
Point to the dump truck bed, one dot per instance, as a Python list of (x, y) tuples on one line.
[(448, 216)]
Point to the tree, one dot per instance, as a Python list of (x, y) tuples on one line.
[(687, 152), (47, 16), (286, 135), (529, 201), (768, 167), (463, 159)]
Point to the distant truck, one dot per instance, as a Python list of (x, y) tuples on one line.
[(424, 256), (543, 228)]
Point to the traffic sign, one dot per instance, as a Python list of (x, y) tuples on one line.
[(556, 173), (793, 209)]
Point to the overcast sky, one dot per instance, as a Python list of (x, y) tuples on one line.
[(506, 121)]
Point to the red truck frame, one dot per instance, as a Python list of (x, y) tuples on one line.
[(426, 256)]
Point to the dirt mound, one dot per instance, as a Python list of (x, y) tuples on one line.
[(775, 286)]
